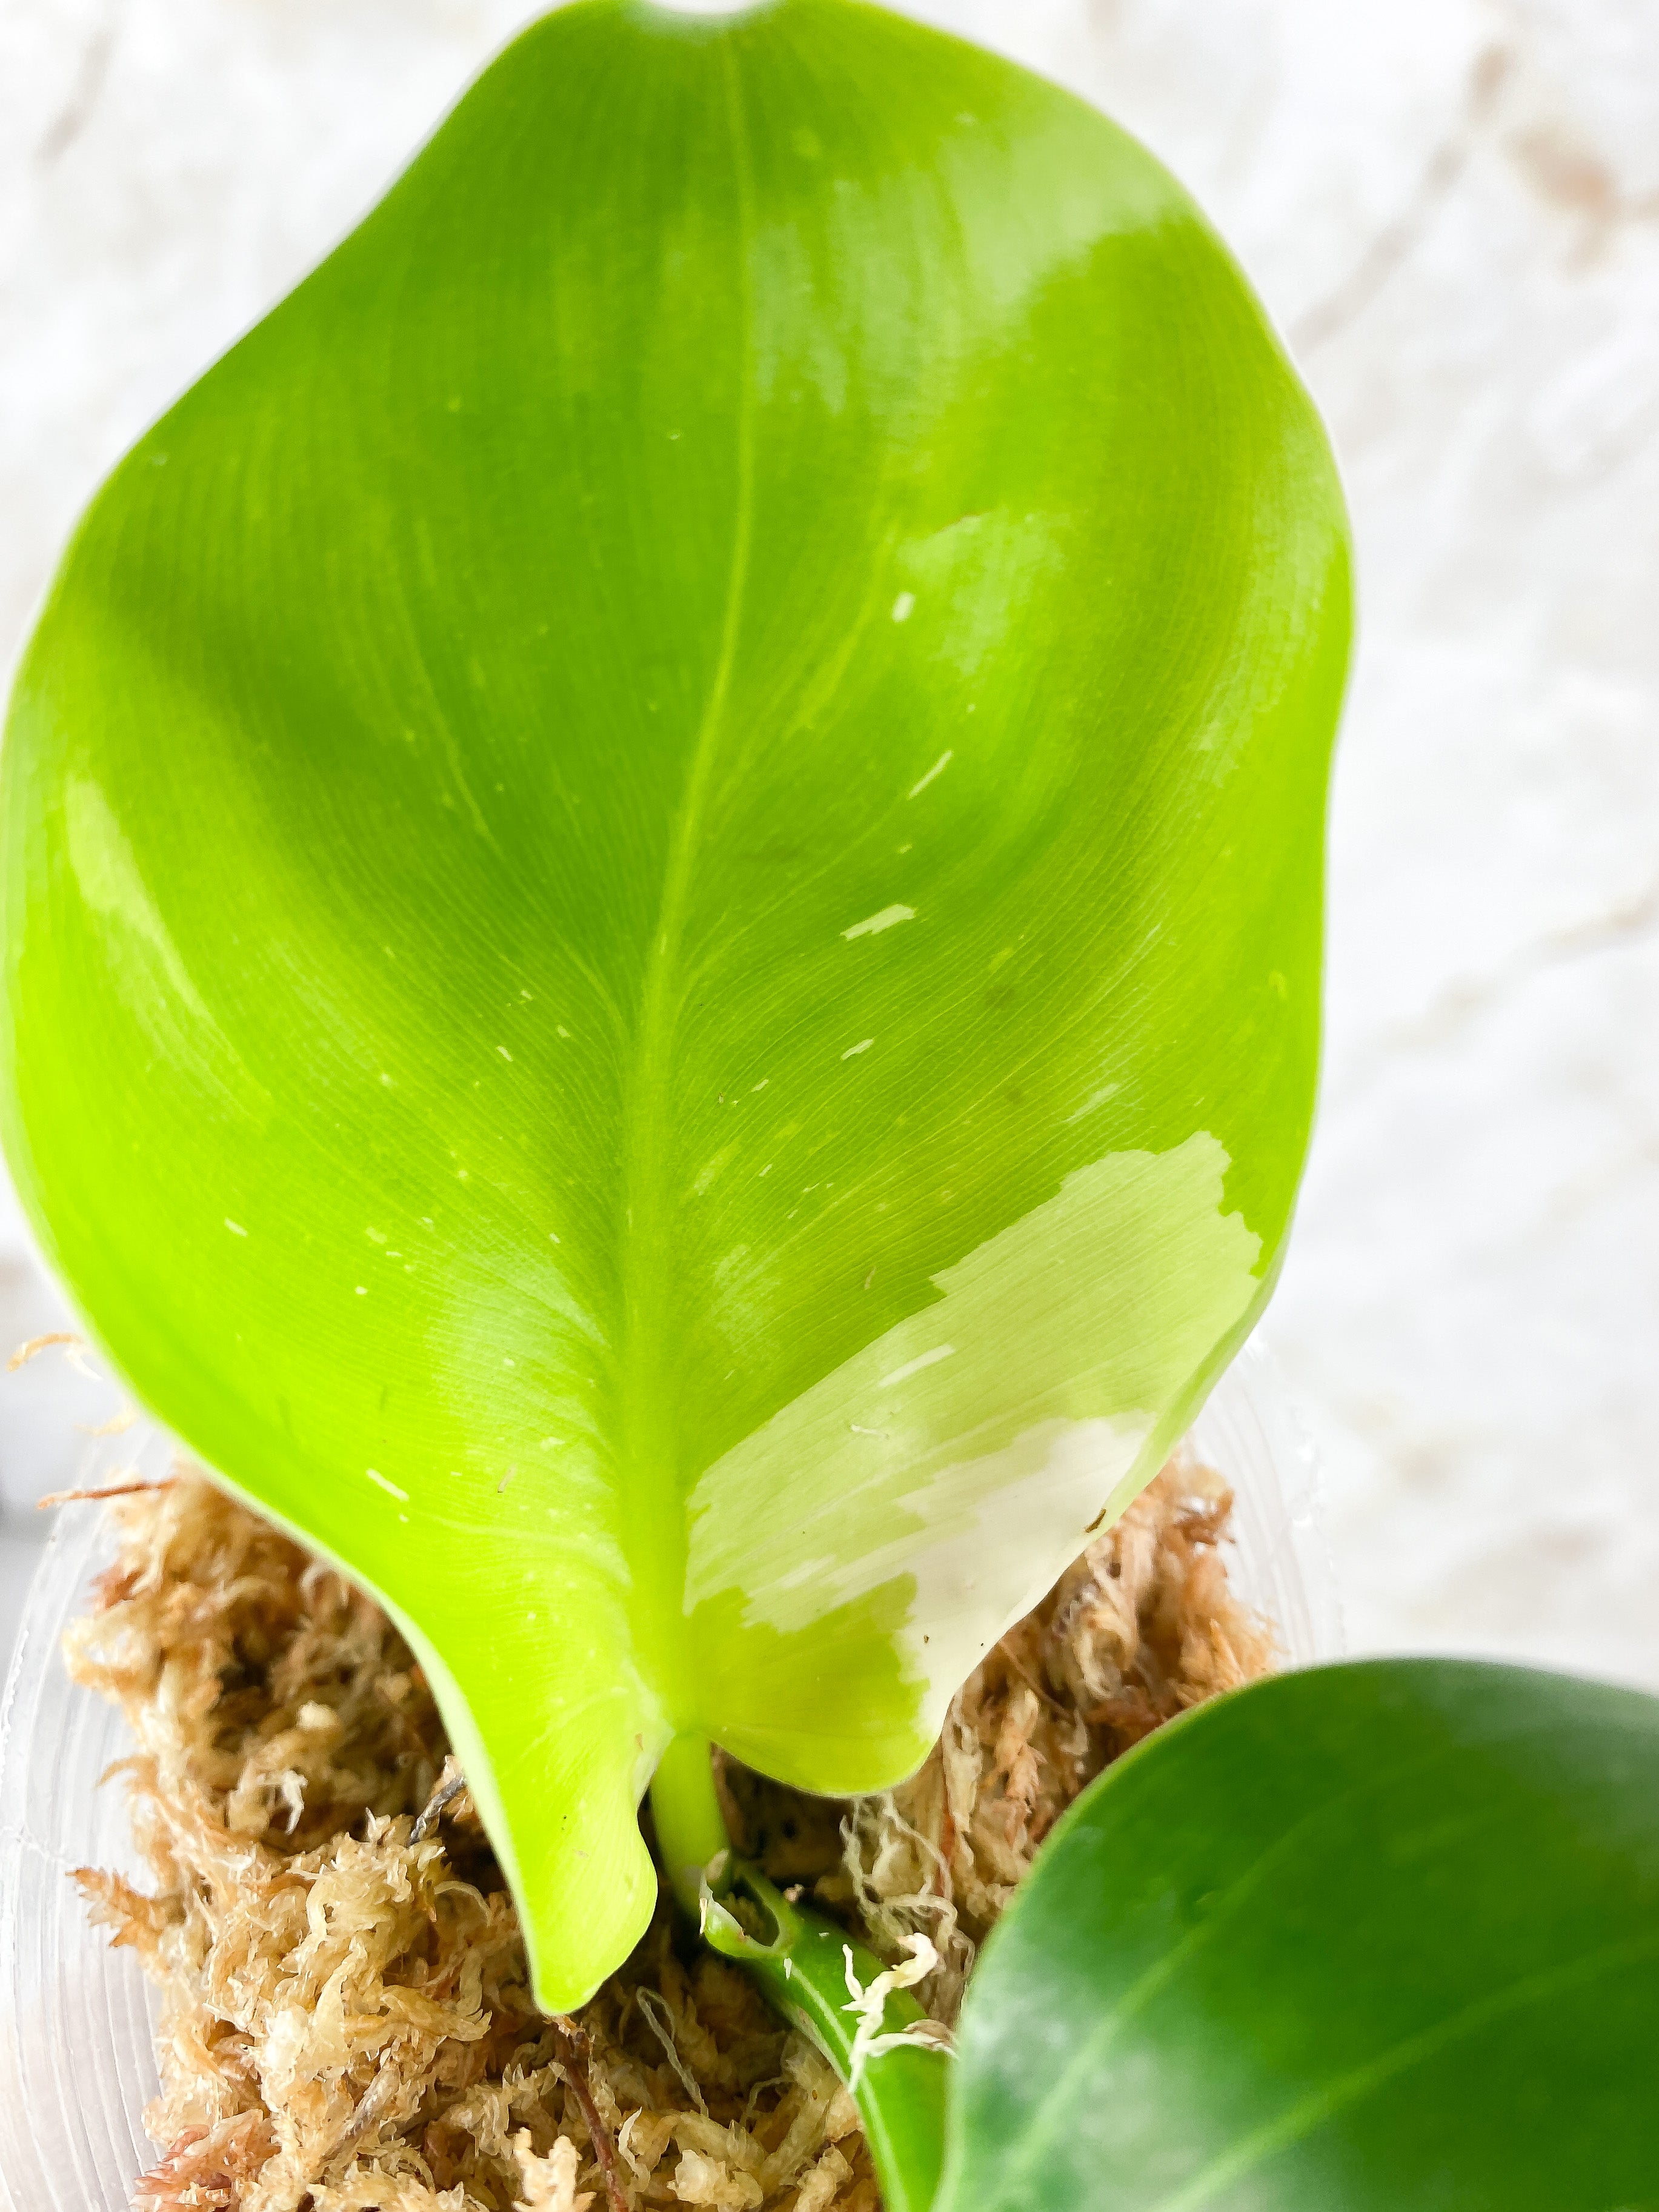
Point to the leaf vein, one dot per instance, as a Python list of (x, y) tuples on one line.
[(1321, 2104)]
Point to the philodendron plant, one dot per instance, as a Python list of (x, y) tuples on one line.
[(663, 868)]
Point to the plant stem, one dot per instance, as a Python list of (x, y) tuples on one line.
[(803, 1971), (691, 1830)]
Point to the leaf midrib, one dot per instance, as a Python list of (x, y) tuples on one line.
[(653, 1523)]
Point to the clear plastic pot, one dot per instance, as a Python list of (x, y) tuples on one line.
[(76, 2059)]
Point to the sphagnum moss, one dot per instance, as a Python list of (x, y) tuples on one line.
[(347, 2023)]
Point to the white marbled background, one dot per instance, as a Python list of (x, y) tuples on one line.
[(1452, 208)]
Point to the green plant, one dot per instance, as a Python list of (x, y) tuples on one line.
[(663, 899), (663, 874)]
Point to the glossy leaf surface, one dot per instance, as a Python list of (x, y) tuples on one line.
[(1368, 1936), (663, 876)]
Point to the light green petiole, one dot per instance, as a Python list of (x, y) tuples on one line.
[(691, 1831), (803, 1968)]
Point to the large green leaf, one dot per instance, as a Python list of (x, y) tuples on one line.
[(1371, 1937), (663, 877)]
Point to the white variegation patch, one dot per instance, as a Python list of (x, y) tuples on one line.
[(970, 1448)]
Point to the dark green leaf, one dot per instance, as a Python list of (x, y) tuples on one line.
[(1383, 1938)]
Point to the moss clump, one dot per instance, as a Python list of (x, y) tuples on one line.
[(347, 2023)]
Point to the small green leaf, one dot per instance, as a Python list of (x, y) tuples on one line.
[(663, 894), (1373, 1936)]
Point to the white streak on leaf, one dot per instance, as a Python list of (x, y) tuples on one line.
[(876, 922), (1094, 1099), (107, 873), (937, 768), (711, 1169), (853, 1050), (915, 1366), (903, 606), (374, 1475)]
